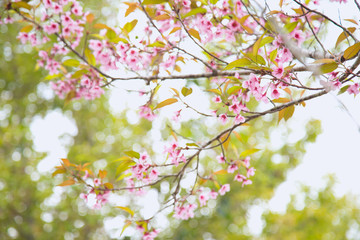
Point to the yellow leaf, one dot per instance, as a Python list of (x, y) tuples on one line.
[(101, 26), (288, 112), (66, 162), (131, 8), (344, 35), (162, 17), (127, 224), (175, 29), (351, 20), (194, 33), (108, 185), (248, 152), (27, 28), (220, 172), (90, 17), (217, 91), (59, 171), (287, 90), (176, 92), (352, 51), (166, 102), (186, 91), (325, 60), (281, 100), (242, 62), (225, 140), (67, 183), (126, 209), (102, 174)]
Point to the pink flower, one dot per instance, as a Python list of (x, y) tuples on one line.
[(51, 28), (278, 72), (84, 196), (213, 194), (86, 175), (275, 94), (232, 168), (239, 178), (97, 182), (23, 37), (223, 118), (246, 182), (224, 189), (239, 119), (353, 89), (216, 99), (250, 172), (154, 174), (221, 158), (146, 112), (235, 108), (247, 162), (203, 199)]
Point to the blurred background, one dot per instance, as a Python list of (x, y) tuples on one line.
[(305, 187)]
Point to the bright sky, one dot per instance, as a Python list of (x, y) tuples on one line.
[(336, 150)]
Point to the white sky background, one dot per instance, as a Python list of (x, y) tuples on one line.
[(336, 150)]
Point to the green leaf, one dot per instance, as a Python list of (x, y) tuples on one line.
[(328, 67), (343, 89), (166, 103), (111, 34), (79, 73), (124, 165), (124, 176), (257, 45), (129, 26), (248, 152), (50, 77), (127, 224), (90, 57), (242, 62), (186, 91), (273, 55), (126, 209), (290, 27), (194, 12), (233, 89), (352, 51), (71, 63), (157, 44), (266, 40), (133, 154), (192, 145)]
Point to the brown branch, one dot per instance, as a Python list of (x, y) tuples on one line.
[(327, 18)]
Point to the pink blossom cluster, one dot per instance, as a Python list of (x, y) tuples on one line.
[(101, 197), (147, 113), (175, 154), (87, 86), (143, 170), (184, 210)]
